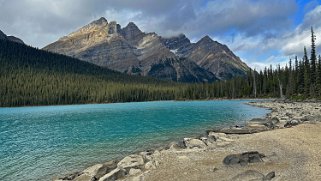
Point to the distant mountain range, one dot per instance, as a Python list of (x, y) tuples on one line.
[(129, 50)]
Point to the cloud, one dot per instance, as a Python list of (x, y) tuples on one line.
[(262, 50), (294, 42), (39, 22)]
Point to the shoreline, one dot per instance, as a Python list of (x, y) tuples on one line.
[(145, 165), (97, 103)]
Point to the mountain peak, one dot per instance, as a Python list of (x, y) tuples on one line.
[(100, 21), (206, 39), (132, 27)]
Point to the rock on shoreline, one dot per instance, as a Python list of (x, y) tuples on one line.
[(144, 165)]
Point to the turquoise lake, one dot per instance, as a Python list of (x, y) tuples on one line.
[(39, 143)]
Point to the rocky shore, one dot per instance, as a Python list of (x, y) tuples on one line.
[(283, 146)]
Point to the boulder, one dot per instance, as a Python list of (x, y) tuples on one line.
[(243, 158), (147, 155), (84, 177), (210, 140), (269, 176), (177, 145), (113, 175), (291, 123), (134, 171), (99, 170), (94, 172), (249, 175), (216, 135), (131, 161), (194, 143), (150, 165)]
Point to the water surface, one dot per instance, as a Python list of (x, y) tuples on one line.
[(38, 143)]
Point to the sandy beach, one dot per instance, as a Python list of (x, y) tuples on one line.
[(284, 146)]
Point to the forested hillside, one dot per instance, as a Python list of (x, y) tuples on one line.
[(29, 76)]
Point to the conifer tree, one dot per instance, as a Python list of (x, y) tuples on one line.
[(318, 77), (306, 74), (313, 58)]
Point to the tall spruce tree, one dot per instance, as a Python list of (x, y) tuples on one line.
[(307, 68), (313, 58), (318, 78)]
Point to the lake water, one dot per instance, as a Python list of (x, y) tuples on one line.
[(38, 143)]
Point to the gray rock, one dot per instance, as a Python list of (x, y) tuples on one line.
[(131, 161), (134, 171), (194, 143), (95, 172), (243, 158), (150, 165), (177, 145), (85, 177), (269, 176), (291, 123), (249, 175), (211, 139), (113, 175)]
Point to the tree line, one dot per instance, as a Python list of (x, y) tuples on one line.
[(299, 79)]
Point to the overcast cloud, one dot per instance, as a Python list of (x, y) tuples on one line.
[(259, 31)]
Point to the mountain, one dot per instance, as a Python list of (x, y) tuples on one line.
[(208, 54), (10, 38), (131, 51)]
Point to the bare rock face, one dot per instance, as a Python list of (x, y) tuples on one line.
[(131, 51), (180, 70), (210, 55), (132, 33)]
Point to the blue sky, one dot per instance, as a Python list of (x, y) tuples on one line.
[(261, 32)]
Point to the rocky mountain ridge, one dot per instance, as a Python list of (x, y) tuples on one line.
[(129, 50)]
